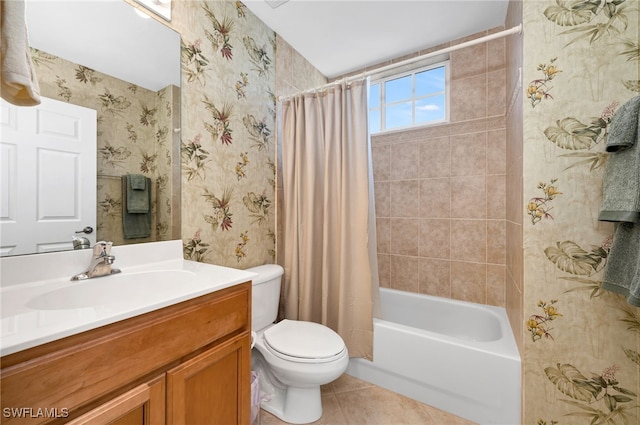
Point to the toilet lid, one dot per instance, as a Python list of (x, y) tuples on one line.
[(305, 340)]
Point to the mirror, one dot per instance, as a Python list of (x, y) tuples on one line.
[(104, 56)]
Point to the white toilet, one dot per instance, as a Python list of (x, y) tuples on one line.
[(292, 358)]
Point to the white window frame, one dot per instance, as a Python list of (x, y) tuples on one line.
[(382, 79)]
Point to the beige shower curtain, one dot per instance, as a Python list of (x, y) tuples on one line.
[(329, 277)]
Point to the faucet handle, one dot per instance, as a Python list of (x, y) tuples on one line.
[(102, 248)]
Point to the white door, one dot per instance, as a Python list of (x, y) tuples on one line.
[(47, 176)]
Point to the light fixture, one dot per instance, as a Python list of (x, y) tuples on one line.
[(161, 8), (276, 3), (142, 14)]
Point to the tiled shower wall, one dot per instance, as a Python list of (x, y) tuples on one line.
[(514, 278), (440, 190)]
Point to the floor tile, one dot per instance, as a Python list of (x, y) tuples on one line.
[(377, 406), (351, 401)]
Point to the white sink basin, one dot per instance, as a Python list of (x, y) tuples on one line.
[(39, 304), (113, 289)]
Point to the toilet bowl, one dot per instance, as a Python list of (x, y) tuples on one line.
[(292, 358)]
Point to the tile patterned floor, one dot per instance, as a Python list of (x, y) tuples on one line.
[(351, 401)]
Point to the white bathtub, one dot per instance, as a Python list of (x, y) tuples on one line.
[(453, 355)]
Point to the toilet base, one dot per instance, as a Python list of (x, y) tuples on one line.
[(295, 405)]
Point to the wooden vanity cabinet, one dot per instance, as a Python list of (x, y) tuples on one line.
[(190, 397), (143, 405), (188, 363)]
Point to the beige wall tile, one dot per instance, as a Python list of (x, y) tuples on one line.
[(514, 253), (405, 159), (468, 197), (496, 241), (515, 312), (496, 93), (435, 277), (383, 235), (435, 238), (469, 240), (460, 169), (496, 122), (469, 61), (470, 126), (496, 54), (468, 281), (404, 236), (514, 201), (496, 285), (435, 158), (384, 270), (386, 138), (405, 198), (435, 198), (468, 98), (496, 151), (381, 162), (496, 196), (382, 191), (404, 272), (468, 154)]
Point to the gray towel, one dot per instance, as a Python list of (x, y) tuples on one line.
[(622, 272), (138, 191), (19, 83), (623, 132), (621, 197), (138, 181), (135, 225), (621, 202)]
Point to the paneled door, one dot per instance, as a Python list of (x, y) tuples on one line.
[(213, 387), (47, 176)]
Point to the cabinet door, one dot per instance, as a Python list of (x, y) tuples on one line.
[(143, 405), (213, 387)]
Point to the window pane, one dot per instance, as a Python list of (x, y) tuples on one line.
[(430, 81), (398, 115), (398, 89), (374, 120), (374, 95), (430, 109)]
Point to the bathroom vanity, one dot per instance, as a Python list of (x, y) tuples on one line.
[(181, 358)]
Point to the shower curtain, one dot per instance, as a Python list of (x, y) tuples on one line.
[(331, 273)]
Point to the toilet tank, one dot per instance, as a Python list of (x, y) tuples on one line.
[(265, 295)]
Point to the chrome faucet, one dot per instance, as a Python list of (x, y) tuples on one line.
[(101, 262)]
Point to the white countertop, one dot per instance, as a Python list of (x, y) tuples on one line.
[(39, 303)]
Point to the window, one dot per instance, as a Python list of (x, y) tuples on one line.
[(411, 99)]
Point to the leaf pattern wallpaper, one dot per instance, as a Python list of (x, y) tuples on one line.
[(582, 343), (228, 134)]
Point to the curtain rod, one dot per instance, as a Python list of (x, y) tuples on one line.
[(513, 30)]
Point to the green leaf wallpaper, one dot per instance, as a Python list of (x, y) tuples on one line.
[(228, 137), (581, 356)]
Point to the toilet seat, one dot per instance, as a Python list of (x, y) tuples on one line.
[(303, 342)]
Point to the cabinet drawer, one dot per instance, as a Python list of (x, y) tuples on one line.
[(74, 371)]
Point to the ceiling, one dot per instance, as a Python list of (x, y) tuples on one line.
[(341, 36), (336, 36)]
